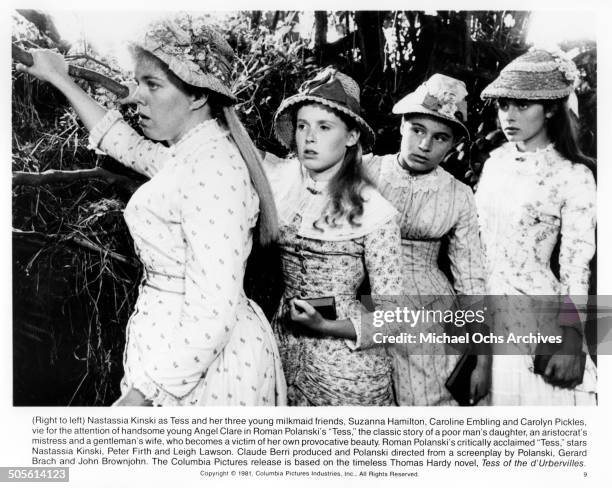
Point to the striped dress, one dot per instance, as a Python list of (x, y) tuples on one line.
[(432, 207)]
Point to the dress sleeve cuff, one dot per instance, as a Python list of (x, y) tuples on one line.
[(99, 130), (354, 344), (153, 392)]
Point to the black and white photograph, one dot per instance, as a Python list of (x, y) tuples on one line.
[(138, 280), (312, 208)]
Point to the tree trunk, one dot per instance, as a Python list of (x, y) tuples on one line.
[(369, 26), (467, 40), (424, 56), (255, 18), (275, 20), (320, 37)]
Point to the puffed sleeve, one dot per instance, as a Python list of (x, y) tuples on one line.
[(578, 219), (371, 165), (382, 254), (282, 173), (114, 137), (464, 247), (285, 178), (216, 218), (273, 165)]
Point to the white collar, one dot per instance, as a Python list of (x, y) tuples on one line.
[(295, 192), (393, 174)]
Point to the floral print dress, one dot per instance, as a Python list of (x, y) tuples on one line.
[(526, 202), (194, 337), (432, 207), (322, 370)]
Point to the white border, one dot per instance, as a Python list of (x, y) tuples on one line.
[(15, 422)]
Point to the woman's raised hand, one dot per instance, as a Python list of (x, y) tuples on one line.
[(52, 67), (48, 66)]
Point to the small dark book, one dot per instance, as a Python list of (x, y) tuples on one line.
[(326, 306), (458, 383)]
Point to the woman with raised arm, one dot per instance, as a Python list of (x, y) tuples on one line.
[(194, 337), (535, 189)]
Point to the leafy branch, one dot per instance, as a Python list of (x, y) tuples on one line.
[(111, 85), (61, 177), (41, 238)]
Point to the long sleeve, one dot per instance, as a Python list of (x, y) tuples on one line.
[(215, 222), (383, 262), (464, 249), (578, 219), (114, 137)]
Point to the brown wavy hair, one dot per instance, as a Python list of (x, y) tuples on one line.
[(562, 130)]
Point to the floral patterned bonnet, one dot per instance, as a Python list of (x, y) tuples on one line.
[(441, 97), (194, 51), (333, 89)]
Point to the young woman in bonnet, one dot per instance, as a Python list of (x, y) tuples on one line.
[(433, 207), (334, 228), (194, 338), (535, 189)]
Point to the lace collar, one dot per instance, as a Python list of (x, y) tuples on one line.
[(315, 187), (296, 193), (542, 153), (203, 133), (393, 174), (509, 158)]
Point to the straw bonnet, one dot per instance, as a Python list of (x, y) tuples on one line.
[(441, 97), (196, 53), (332, 89), (536, 75)]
